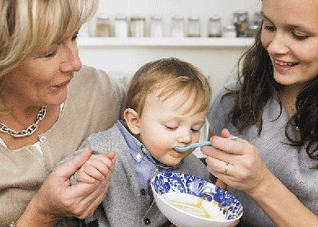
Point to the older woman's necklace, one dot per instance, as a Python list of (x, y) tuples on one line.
[(29, 130)]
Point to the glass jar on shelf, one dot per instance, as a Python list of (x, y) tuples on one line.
[(229, 31), (121, 27), (241, 23), (215, 27), (252, 30), (257, 19), (255, 25), (156, 27), (194, 27), (177, 27), (137, 27), (103, 26)]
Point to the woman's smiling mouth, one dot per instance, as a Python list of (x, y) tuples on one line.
[(283, 66), (283, 63), (61, 86)]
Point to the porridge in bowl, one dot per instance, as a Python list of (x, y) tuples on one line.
[(189, 201)]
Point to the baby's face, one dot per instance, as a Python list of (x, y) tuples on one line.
[(162, 127)]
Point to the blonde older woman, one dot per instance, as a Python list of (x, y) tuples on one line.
[(49, 105)]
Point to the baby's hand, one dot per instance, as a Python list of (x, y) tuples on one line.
[(97, 167)]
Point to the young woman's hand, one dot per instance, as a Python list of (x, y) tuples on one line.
[(236, 163)]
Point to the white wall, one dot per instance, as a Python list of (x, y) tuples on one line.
[(219, 64)]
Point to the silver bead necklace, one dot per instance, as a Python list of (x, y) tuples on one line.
[(29, 130)]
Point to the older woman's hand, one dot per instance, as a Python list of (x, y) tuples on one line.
[(58, 198), (237, 163)]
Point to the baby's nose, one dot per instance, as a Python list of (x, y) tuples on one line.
[(185, 137)]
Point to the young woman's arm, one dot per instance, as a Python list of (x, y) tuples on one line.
[(246, 171)]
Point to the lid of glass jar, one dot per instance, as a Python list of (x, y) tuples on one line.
[(120, 17), (177, 18), (215, 18), (240, 16), (103, 17), (137, 18), (156, 18), (254, 27), (229, 27), (194, 18), (240, 12)]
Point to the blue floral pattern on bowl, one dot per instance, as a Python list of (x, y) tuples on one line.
[(184, 183)]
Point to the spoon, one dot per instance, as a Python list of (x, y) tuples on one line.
[(196, 145)]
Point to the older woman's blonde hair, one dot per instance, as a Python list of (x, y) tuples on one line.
[(28, 25), (169, 76)]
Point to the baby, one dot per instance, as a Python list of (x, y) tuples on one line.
[(166, 107)]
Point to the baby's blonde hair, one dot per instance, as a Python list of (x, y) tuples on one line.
[(170, 76), (28, 25)]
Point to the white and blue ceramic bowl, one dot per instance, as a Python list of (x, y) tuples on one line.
[(183, 183)]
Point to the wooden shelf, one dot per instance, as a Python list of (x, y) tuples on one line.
[(164, 42)]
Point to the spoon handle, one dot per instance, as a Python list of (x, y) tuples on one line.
[(201, 144), (208, 143)]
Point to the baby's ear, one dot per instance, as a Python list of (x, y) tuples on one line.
[(132, 119)]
